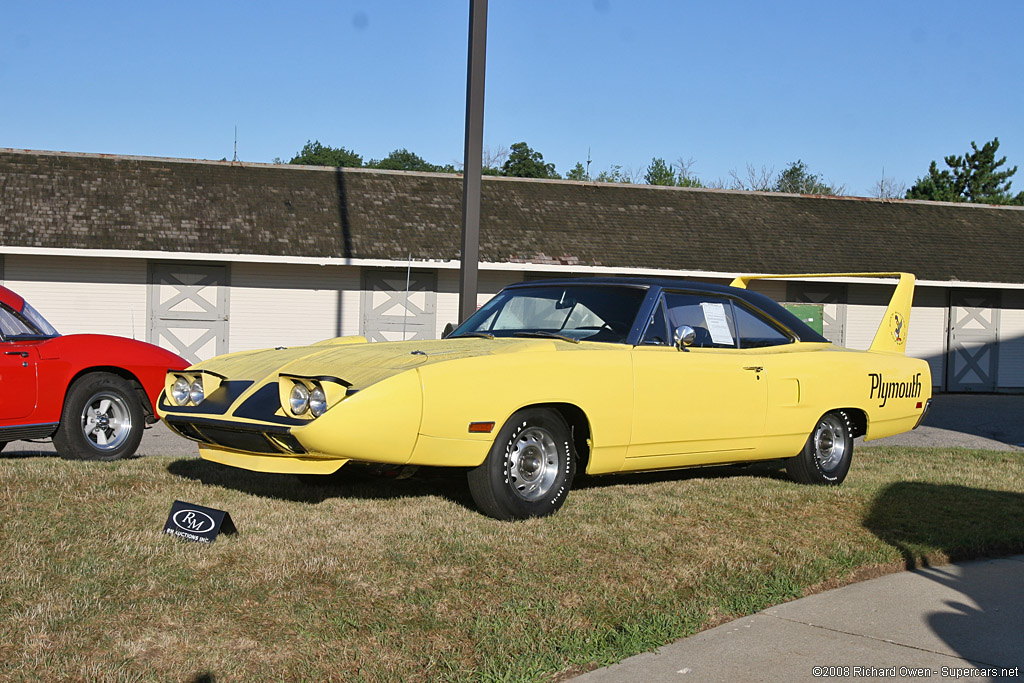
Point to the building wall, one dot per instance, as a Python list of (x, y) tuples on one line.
[(1011, 341), (926, 336), (81, 294), (291, 305)]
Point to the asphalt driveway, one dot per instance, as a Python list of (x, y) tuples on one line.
[(985, 421)]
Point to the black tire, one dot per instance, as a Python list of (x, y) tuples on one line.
[(102, 419), (529, 469), (827, 455)]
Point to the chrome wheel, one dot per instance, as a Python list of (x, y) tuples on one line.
[(533, 463), (829, 443), (529, 468), (106, 421)]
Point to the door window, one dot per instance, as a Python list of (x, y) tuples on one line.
[(756, 332), (710, 317)]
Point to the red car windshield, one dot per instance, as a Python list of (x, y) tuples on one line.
[(27, 324)]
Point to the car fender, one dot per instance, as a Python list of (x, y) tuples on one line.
[(595, 379)]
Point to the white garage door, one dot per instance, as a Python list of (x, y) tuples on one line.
[(188, 309)]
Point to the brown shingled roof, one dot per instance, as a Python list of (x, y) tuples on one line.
[(62, 200)]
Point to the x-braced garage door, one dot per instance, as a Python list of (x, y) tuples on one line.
[(393, 313), (188, 309), (973, 340)]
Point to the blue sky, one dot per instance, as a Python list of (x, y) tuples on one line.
[(851, 88)]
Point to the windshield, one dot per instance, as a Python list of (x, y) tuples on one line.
[(600, 313), (26, 324)]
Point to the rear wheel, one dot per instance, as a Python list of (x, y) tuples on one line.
[(102, 419), (529, 469), (827, 455)]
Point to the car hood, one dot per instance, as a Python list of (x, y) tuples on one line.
[(362, 364)]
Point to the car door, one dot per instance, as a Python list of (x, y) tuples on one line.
[(19, 362), (18, 377), (704, 404)]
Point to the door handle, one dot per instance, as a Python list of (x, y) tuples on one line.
[(23, 354), (755, 368)]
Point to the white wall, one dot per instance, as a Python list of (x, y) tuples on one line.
[(291, 305), (80, 294), (1011, 341), (867, 304), (927, 336)]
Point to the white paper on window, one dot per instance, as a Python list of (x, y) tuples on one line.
[(718, 324)]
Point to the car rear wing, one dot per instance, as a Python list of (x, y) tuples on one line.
[(891, 336)]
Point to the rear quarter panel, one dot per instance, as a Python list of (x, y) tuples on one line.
[(812, 379)]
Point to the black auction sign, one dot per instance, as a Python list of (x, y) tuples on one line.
[(197, 523)]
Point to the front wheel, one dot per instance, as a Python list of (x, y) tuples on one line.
[(827, 454), (102, 419), (529, 469)]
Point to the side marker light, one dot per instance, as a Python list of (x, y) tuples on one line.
[(481, 427)]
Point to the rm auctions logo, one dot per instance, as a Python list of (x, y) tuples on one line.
[(883, 390), (898, 327), (193, 521)]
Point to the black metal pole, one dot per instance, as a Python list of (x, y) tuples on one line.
[(472, 163)]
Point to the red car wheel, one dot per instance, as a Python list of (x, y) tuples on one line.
[(102, 419)]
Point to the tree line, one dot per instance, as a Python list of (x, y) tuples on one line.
[(976, 177)]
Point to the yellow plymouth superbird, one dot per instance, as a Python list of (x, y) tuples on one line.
[(604, 374)]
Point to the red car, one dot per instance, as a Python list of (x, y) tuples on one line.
[(92, 393)]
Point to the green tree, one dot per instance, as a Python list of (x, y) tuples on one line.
[(614, 175), (937, 186), (524, 162), (798, 179), (577, 172), (974, 177), (404, 160), (315, 154), (660, 173)]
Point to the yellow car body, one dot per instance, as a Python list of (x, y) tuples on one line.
[(639, 401)]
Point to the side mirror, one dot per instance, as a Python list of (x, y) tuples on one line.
[(448, 329), (683, 336)]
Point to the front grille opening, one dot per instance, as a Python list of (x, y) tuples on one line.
[(250, 440)]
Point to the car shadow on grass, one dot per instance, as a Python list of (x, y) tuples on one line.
[(445, 482), (349, 482), (926, 521), (10, 453), (14, 454)]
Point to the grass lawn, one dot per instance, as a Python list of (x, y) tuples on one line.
[(404, 580)]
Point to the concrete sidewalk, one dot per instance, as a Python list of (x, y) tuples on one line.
[(963, 620)]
